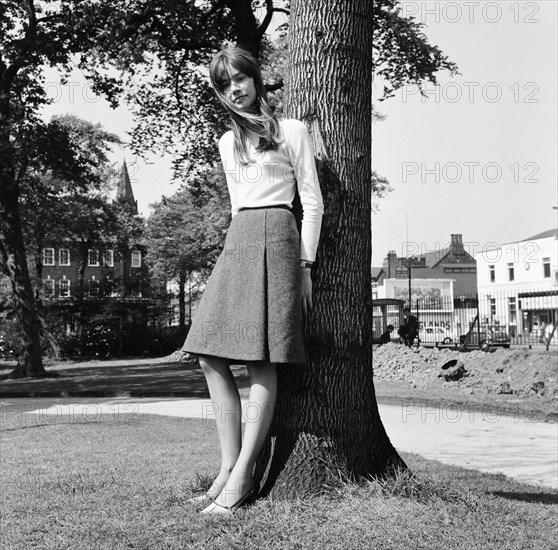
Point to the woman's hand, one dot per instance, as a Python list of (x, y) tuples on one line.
[(306, 291)]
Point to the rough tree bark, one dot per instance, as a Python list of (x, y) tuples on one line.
[(14, 265), (327, 420), (13, 259)]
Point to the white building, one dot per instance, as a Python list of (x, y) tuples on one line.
[(518, 285)]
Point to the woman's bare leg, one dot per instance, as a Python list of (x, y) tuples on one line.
[(228, 415), (259, 415)]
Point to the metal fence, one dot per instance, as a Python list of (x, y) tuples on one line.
[(527, 318)]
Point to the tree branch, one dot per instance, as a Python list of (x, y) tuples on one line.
[(215, 8), (267, 19), (275, 86), (30, 32), (47, 18), (268, 16)]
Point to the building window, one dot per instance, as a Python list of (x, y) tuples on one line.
[(93, 287), (108, 258), (108, 287), (511, 272), (492, 273), (492, 307), (64, 256), (64, 288), (48, 256), (136, 258), (93, 258), (546, 268), (512, 307), (48, 287)]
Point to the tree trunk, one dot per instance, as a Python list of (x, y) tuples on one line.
[(79, 295), (182, 301), (189, 299), (327, 420), (39, 271), (14, 262), (246, 26)]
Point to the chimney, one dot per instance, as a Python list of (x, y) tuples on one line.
[(391, 264), (457, 244)]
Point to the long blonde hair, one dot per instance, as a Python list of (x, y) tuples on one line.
[(260, 119)]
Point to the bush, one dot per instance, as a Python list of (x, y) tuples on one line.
[(9, 340), (103, 341), (101, 337)]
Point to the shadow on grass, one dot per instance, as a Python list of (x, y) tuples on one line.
[(131, 380), (542, 498)]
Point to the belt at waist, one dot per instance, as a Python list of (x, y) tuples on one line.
[(262, 207)]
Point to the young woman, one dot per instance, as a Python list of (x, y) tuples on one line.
[(251, 310)]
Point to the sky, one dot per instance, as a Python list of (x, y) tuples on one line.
[(478, 157)]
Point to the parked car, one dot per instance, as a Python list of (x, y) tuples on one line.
[(435, 335), (498, 337), (489, 336)]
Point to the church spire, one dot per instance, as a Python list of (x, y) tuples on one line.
[(124, 191)]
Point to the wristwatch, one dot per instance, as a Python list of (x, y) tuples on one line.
[(305, 264)]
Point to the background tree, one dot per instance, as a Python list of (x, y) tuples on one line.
[(59, 210), (30, 40), (186, 232), (401, 53)]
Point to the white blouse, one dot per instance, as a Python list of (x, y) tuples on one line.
[(270, 180)]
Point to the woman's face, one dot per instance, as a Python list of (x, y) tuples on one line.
[(240, 90)]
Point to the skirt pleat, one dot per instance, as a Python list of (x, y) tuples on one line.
[(251, 306)]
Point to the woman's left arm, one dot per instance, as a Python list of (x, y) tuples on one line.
[(306, 175), (306, 291), (304, 165)]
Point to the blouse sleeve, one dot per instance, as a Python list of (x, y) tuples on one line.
[(304, 166), (225, 150)]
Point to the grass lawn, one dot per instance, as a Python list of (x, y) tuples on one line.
[(122, 482)]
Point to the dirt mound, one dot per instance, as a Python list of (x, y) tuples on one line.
[(521, 372)]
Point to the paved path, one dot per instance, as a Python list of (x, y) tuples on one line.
[(521, 448)]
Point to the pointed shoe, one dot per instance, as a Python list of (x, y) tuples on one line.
[(199, 499), (220, 509)]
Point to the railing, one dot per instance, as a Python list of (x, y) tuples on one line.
[(476, 320)]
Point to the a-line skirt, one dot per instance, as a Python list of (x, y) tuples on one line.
[(251, 307)]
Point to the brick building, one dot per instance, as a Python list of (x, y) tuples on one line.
[(109, 269), (450, 262)]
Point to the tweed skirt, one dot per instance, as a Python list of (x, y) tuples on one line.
[(251, 307)]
